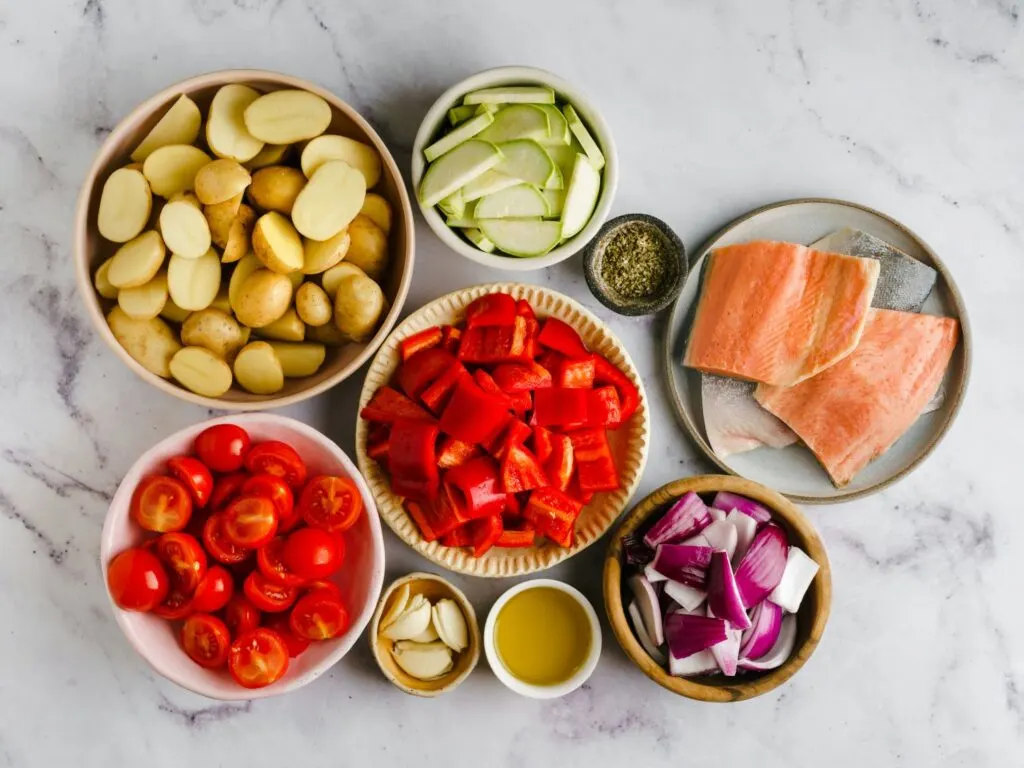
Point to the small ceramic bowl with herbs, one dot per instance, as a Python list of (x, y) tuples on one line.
[(514, 168), (636, 265)]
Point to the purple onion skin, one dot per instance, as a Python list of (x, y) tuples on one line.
[(723, 596), (762, 566), (765, 632), (729, 501), (688, 634), (689, 515), (637, 553)]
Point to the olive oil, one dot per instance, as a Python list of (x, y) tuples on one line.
[(542, 636)]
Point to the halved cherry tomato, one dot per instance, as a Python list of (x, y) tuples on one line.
[(293, 642), (258, 658), (330, 586), (279, 459), (277, 490), (241, 616), (206, 640), (331, 503), (177, 605), (250, 521), (319, 615), (185, 560), (218, 545), (266, 595), (312, 553), (137, 580), (161, 504), (222, 447), (226, 488), (196, 477), (270, 558), (214, 590)]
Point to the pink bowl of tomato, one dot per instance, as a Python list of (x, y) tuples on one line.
[(243, 556)]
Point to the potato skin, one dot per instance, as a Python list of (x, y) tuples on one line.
[(263, 298), (313, 304), (358, 306), (214, 330), (275, 188), (368, 248), (151, 343)]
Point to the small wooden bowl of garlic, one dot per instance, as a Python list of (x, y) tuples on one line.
[(424, 635)]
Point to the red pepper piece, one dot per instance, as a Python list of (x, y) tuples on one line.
[(520, 470), (418, 342), (412, 462), (472, 415), (450, 337), (554, 334), (605, 409), (389, 405), (490, 310), (378, 451), (476, 488), (561, 463), (460, 537), (515, 539), (523, 309), (576, 374), (542, 443), (432, 518), (533, 347), (494, 344), (485, 533), (595, 466), (629, 395), (513, 508), (560, 407), (435, 396), (551, 360), (516, 433), (574, 492), (422, 369), (454, 453), (553, 514), (519, 377), (522, 403), (487, 383)]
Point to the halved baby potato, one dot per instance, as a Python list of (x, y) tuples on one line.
[(245, 267), (329, 202), (102, 283), (275, 188), (194, 283), (358, 305), (125, 205), (262, 298), (137, 261), (173, 313), (377, 210), (179, 125), (151, 343), (184, 229), (360, 156), (258, 370), (271, 154), (333, 277), (221, 180), (220, 217), (299, 359), (284, 117), (213, 329), (239, 235), (368, 249), (201, 371), (288, 327), (225, 125), (147, 301), (173, 168), (313, 304), (328, 335), (276, 243), (321, 255)]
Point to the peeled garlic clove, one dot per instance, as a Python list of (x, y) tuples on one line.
[(411, 622), (424, 661), (428, 635), (398, 603), (450, 624)]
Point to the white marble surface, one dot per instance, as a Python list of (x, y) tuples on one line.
[(909, 106)]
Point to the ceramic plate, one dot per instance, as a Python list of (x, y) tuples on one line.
[(794, 470), (629, 443)]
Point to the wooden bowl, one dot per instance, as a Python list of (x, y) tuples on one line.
[(90, 250), (811, 618), (434, 588)]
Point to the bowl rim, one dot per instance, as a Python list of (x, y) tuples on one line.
[(468, 612), (782, 508), (83, 277), (122, 498), (542, 691), (503, 75)]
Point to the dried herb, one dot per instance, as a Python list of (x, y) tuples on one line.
[(634, 262)]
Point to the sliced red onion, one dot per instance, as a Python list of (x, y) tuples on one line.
[(723, 596), (746, 528), (700, 663), (688, 597), (722, 535), (679, 562), (766, 621), (800, 572), (781, 651), (684, 518), (730, 501), (688, 634), (761, 568), (698, 541), (647, 602), (641, 634), (727, 652), (716, 514), (637, 553), (652, 575)]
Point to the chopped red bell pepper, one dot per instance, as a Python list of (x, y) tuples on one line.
[(435, 396), (574, 492), (378, 432), (389, 405), (560, 407), (454, 452), (520, 377), (450, 337), (553, 514), (542, 443), (495, 344), (560, 464), (478, 487), (418, 342), (515, 539), (378, 451), (422, 369), (516, 433), (595, 466), (485, 534), (523, 309), (576, 374), (522, 403), (460, 537), (551, 360), (472, 415), (436, 518), (492, 309), (554, 334), (520, 470), (605, 409), (513, 507), (412, 462), (489, 385), (629, 395), (533, 347)]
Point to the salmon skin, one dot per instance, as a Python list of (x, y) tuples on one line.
[(779, 313), (734, 422), (853, 412)]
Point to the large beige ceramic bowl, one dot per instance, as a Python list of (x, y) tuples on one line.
[(90, 250)]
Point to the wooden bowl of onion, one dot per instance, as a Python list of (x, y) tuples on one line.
[(717, 587)]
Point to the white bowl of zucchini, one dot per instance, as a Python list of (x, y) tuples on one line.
[(514, 168)]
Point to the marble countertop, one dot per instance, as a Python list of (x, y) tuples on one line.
[(911, 107)]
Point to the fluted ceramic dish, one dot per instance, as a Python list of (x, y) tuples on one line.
[(629, 443)]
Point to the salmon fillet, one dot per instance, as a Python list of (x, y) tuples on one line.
[(779, 313), (853, 412)]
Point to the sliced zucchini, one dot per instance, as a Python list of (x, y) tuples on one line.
[(522, 237), (464, 132), (477, 238), (580, 197), (579, 130), (519, 202), (519, 121), (511, 94), (558, 128), (456, 169), (527, 161)]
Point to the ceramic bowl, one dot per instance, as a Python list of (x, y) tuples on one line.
[(542, 691), (90, 250), (437, 118), (360, 579), (434, 588), (629, 443), (811, 618)]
